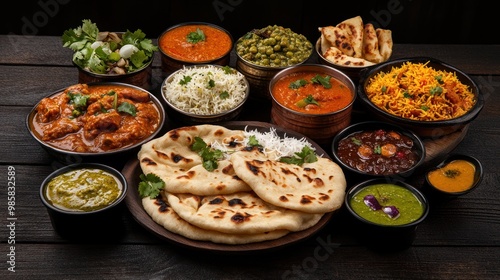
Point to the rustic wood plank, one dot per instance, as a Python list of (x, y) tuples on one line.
[(154, 261)]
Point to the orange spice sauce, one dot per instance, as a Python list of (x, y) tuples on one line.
[(456, 176), (329, 100), (174, 43)]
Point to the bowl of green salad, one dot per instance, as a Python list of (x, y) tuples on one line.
[(103, 56)]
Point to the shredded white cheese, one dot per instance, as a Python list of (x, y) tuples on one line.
[(205, 90), (273, 144)]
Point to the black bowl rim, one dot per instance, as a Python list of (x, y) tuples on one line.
[(420, 196), (155, 100), (196, 23), (376, 125), (468, 117), (478, 176), (203, 117), (260, 67), (126, 75), (308, 67), (77, 166), (343, 67)]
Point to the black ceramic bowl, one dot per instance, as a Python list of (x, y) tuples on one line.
[(367, 171), (433, 129), (83, 223), (184, 115), (461, 178), (386, 232), (117, 154)]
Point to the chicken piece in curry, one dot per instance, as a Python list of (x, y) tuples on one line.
[(97, 118)]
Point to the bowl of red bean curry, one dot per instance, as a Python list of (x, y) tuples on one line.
[(378, 149)]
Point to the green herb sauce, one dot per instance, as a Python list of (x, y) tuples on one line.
[(83, 190), (409, 206)]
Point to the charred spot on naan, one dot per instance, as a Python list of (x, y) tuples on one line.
[(239, 218), (148, 161), (306, 199), (163, 206)]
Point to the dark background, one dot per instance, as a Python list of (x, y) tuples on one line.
[(411, 21)]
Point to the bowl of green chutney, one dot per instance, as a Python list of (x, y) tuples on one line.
[(84, 200), (386, 212)]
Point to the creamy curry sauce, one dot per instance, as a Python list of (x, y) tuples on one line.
[(98, 118)]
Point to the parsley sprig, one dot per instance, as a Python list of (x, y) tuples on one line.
[(195, 36), (306, 155), (306, 101), (150, 185), (209, 156)]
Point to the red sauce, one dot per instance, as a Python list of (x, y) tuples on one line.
[(100, 123), (174, 43), (328, 100)]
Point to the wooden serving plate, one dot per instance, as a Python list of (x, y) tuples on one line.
[(132, 170)]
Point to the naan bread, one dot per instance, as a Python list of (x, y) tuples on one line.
[(338, 57), (350, 43), (353, 28), (238, 213), (171, 158), (317, 187), (370, 44), (385, 43), (161, 212)]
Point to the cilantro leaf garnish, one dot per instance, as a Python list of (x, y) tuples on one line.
[(211, 83), (324, 81), (306, 101), (356, 141), (150, 185), (196, 36), (209, 156), (306, 155), (224, 95), (297, 84), (253, 142), (436, 90), (185, 80), (377, 149), (78, 100), (128, 108), (228, 70)]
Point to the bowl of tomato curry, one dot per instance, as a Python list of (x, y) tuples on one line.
[(312, 99), (95, 120), (193, 43)]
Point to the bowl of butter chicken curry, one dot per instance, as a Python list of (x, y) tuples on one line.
[(96, 119)]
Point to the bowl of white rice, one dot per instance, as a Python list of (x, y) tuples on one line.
[(206, 93)]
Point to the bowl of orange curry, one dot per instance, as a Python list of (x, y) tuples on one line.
[(313, 99), (423, 94), (456, 175), (194, 43), (95, 121)]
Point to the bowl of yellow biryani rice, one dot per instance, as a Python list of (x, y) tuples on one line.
[(428, 96)]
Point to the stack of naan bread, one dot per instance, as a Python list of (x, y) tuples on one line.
[(352, 43), (250, 197)]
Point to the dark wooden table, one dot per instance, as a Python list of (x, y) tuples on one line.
[(459, 240)]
